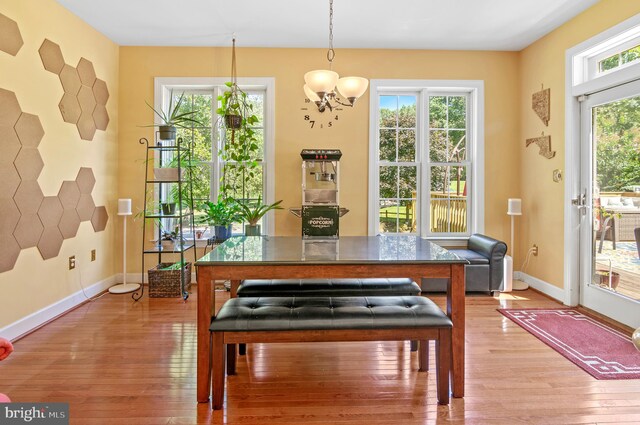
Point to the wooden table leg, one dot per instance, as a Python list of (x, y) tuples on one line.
[(205, 303), (231, 348), (455, 310)]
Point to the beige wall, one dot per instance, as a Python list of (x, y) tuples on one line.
[(499, 70), (34, 283), (543, 62)]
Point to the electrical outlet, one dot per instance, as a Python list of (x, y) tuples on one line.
[(535, 250), (93, 255), (72, 262)]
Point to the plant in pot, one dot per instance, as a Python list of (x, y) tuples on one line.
[(221, 215), (173, 117), (241, 144), (252, 212)]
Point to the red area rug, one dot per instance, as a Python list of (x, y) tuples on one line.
[(599, 350)]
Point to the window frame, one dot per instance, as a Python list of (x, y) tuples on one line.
[(475, 149), (214, 85)]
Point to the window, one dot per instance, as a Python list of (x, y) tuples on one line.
[(208, 168), (426, 158), (618, 59)]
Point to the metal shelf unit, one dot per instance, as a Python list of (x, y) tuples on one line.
[(163, 152)]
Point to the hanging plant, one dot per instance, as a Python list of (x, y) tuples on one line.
[(238, 121)]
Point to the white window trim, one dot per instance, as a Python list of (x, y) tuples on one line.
[(593, 61), (476, 90), (162, 85), (580, 79), (579, 83)]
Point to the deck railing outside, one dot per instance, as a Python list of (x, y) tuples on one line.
[(448, 214)]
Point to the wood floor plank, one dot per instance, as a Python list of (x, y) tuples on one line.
[(120, 362)]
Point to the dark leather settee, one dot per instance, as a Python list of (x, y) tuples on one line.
[(485, 271)]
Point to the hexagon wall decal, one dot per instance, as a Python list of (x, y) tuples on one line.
[(9, 108), (50, 211), (10, 37), (85, 180), (10, 145), (69, 195), (28, 230), (50, 242), (51, 56), (9, 217), (69, 223), (10, 252), (70, 108), (85, 96), (29, 164), (27, 217), (99, 219)]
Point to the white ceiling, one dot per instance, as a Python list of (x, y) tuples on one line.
[(387, 24)]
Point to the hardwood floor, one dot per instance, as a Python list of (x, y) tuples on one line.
[(120, 362)]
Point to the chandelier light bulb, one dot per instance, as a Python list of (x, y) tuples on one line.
[(321, 81), (311, 94), (352, 88)]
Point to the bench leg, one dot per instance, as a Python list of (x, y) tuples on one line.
[(217, 370), (231, 359), (443, 365), (242, 349), (423, 356), (414, 345)]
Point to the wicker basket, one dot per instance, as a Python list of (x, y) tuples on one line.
[(166, 283)]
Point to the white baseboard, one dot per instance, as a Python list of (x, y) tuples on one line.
[(40, 317), (542, 286)]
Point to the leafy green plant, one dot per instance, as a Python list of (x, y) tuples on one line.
[(241, 144), (173, 117), (252, 212), (222, 213)]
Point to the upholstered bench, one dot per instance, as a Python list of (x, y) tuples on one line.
[(327, 287), (321, 319)]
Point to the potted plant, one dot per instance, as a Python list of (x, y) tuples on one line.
[(173, 117), (241, 142), (607, 278), (221, 215), (252, 212)]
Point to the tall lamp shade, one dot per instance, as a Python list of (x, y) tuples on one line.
[(514, 208), (124, 210)]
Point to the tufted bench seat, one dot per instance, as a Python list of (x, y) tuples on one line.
[(327, 287), (317, 319)]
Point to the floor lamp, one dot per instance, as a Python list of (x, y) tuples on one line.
[(514, 208), (124, 209)]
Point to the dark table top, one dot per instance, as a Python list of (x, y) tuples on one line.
[(262, 250)]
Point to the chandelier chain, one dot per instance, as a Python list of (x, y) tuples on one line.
[(331, 54)]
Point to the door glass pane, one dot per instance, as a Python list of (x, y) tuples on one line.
[(616, 197)]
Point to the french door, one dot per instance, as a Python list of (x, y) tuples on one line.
[(610, 203)]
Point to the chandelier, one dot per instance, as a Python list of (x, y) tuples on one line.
[(321, 84)]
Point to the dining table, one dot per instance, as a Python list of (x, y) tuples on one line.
[(292, 257)]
